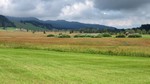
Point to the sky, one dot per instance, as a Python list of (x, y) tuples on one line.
[(116, 13)]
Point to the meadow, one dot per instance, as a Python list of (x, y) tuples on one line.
[(36, 59)]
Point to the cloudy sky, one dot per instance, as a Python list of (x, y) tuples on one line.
[(117, 13)]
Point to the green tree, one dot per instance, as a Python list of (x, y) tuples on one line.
[(148, 32), (44, 32), (71, 31), (139, 31), (144, 31), (4, 25), (130, 30)]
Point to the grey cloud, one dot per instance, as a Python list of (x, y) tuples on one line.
[(40, 8), (120, 4), (21, 5), (118, 13)]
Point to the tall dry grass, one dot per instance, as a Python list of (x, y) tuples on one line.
[(109, 46)]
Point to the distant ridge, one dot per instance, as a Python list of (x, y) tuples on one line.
[(145, 26), (22, 18), (4, 22), (76, 25), (58, 24)]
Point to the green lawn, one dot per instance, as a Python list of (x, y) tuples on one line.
[(23, 66)]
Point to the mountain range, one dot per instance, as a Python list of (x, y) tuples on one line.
[(33, 23)]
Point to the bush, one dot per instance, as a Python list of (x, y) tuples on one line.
[(84, 36), (50, 35), (60, 34), (121, 36), (106, 35), (79, 36), (98, 36), (89, 36), (64, 36), (134, 36)]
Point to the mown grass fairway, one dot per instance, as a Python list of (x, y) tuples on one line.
[(23, 66)]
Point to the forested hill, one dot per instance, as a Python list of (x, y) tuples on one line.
[(145, 26), (4, 22), (57, 24), (76, 25)]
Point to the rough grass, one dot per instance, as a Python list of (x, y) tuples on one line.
[(23, 66), (106, 46), (27, 58)]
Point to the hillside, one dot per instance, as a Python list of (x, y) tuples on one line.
[(145, 26), (28, 26), (58, 24), (4, 22), (75, 25)]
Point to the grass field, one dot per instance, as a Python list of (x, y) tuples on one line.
[(23, 66), (27, 58)]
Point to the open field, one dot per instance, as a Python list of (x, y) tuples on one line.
[(107, 46), (27, 58), (23, 66)]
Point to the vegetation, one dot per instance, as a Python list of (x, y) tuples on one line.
[(28, 26), (106, 46), (84, 36), (106, 35), (98, 36), (39, 66), (33, 58), (50, 35), (134, 36), (38, 24), (144, 27), (34, 24), (88, 36), (64, 36), (121, 36), (27, 56), (4, 22)]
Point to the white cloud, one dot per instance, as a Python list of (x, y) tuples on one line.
[(75, 10), (4, 6)]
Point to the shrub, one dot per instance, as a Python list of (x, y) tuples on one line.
[(98, 36), (44, 32), (79, 36), (134, 36), (106, 35), (121, 36), (89, 36), (84, 36), (50, 35), (60, 34), (64, 36)]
